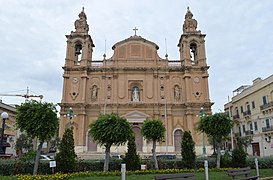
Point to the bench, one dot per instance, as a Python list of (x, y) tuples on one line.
[(187, 176), (242, 174)]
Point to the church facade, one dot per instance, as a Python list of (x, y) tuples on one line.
[(135, 83)]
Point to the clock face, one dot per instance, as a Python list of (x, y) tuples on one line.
[(74, 80), (196, 80)]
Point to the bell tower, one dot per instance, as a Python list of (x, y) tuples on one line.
[(79, 44), (75, 83), (192, 44)]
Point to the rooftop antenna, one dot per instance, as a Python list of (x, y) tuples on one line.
[(166, 55), (104, 55)]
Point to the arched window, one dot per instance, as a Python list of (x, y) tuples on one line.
[(78, 53), (135, 94), (193, 52)]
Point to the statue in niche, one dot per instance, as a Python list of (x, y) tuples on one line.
[(176, 92), (135, 94), (94, 92)]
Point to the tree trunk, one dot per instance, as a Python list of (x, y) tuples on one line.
[(154, 154), (37, 158), (107, 157), (218, 156)]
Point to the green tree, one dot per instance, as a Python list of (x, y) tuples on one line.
[(66, 157), (153, 130), (187, 150), (132, 159), (218, 127), (108, 130), (38, 120)]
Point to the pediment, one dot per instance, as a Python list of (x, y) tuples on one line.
[(135, 48), (136, 116)]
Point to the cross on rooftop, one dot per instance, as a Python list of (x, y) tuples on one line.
[(135, 29)]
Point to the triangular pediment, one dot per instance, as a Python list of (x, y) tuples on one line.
[(136, 116)]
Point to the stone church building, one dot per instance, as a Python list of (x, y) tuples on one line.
[(135, 83)]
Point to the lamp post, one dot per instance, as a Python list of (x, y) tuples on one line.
[(4, 116), (202, 114), (70, 115)]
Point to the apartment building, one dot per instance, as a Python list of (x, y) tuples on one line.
[(251, 109)]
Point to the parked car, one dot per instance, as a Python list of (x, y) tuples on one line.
[(117, 156), (166, 156), (45, 158)]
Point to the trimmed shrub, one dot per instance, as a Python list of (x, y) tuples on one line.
[(66, 157), (239, 158), (187, 150), (226, 161), (132, 159)]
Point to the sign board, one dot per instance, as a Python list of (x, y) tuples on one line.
[(44, 145), (52, 164)]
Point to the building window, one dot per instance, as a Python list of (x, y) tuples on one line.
[(255, 126), (248, 108), (253, 105), (237, 111), (239, 129), (267, 124), (242, 109), (244, 128), (251, 126), (264, 100)]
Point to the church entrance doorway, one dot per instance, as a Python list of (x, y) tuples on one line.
[(177, 140), (138, 138), (91, 145)]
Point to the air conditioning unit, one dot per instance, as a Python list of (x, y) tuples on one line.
[(267, 139)]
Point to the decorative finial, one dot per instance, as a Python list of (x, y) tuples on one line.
[(81, 25), (190, 24), (166, 56), (135, 29)]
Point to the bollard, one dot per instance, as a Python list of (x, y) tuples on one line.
[(257, 167), (206, 169), (123, 171)]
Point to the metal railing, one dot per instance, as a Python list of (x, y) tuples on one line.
[(266, 129), (236, 116), (247, 113), (267, 105), (249, 132)]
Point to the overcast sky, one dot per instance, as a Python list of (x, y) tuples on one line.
[(32, 39)]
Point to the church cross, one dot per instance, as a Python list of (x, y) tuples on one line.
[(135, 29)]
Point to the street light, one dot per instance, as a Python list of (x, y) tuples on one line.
[(70, 115), (4, 116), (202, 114)]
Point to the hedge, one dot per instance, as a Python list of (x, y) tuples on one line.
[(13, 167)]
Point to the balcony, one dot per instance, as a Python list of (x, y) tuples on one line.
[(247, 113), (236, 116), (267, 106), (237, 134), (266, 129), (249, 132)]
